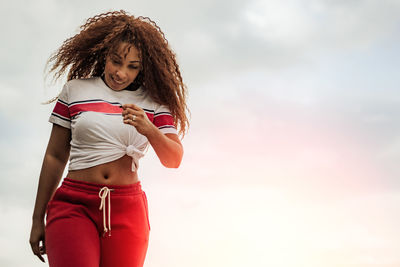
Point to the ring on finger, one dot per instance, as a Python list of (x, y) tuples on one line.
[(133, 117)]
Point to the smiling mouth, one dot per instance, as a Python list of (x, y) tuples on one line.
[(116, 82)]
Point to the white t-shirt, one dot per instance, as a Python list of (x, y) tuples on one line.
[(93, 112)]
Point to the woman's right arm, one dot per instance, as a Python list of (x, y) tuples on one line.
[(55, 159)]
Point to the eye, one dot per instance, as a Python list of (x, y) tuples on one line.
[(133, 67)]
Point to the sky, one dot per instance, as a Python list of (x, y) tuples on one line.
[(291, 158)]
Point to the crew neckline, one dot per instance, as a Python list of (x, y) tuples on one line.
[(103, 83)]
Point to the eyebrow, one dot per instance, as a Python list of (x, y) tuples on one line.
[(133, 61)]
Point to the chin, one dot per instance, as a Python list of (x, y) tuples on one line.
[(115, 86)]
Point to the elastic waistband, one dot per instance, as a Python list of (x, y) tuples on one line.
[(93, 188)]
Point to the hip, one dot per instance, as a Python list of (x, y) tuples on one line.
[(79, 199)]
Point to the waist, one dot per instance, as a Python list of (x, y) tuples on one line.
[(95, 188), (117, 172)]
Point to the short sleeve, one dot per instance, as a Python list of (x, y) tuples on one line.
[(163, 120), (60, 114)]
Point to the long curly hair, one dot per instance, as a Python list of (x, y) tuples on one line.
[(84, 56)]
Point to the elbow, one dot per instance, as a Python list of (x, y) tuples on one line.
[(172, 165), (62, 158), (173, 162)]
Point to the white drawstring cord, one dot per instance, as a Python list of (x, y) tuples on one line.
[(103, 194)]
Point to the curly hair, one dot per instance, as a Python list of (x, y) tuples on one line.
[(84, 56)]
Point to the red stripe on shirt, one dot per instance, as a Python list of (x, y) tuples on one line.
[(150, 116), (162, 120), (102, 107), (62, 110)]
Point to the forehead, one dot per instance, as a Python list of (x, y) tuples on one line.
[(126, 51)]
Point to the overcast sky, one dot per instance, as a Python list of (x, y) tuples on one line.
[(292, 155)]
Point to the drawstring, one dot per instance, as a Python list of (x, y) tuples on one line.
[(103, 194)]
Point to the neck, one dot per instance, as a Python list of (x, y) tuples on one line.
[(130, 87)]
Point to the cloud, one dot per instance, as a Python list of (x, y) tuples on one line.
[(210, 37), (294, 118)]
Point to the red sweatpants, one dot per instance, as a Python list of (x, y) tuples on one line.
[(79, 234)]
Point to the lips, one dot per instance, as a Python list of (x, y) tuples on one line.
[(116, 82)]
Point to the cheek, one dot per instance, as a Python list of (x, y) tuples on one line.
[(133, 75), (108, 68)]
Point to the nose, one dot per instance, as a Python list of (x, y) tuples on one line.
[(120, 75)]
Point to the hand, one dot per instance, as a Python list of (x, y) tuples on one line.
[(37, 235), (137, 117)]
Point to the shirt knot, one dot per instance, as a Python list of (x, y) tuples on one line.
[(131, 150), (135, 153)]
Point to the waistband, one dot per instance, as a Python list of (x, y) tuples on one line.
[(94, 188)]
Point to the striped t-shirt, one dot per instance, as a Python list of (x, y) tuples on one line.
[(93, 112)]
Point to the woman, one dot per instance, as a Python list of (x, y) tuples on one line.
[(124, 92)]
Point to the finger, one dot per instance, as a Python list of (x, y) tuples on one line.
[(43, 247), (37, 252), (43, 250), (130, 122), (40, 257), (134, 116), (129, 117), (35, 247), (132, 106), (131, 111)]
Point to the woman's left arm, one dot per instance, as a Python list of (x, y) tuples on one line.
[(168, 147)]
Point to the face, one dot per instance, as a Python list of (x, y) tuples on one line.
[(122, 67)]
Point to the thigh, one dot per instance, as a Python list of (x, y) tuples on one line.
[(128, 243), (71, 238)]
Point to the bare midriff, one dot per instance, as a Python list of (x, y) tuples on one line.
[(117, 172)]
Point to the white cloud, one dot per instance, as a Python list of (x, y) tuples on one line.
[(286, 23)]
